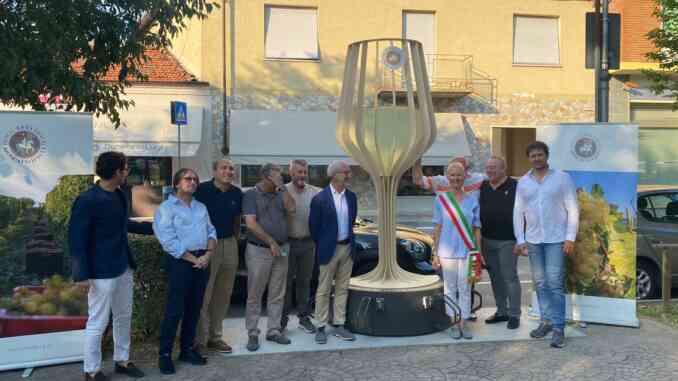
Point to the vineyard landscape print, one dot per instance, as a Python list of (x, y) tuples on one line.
[(604, 261)]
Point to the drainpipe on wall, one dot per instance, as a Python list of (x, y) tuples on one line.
[(605, 66), (225, 75)]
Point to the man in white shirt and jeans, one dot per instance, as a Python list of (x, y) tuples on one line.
[(545, 220)]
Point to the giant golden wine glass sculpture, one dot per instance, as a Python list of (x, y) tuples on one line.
[(385, 122)]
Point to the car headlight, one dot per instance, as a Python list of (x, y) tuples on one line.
[(416, 249)]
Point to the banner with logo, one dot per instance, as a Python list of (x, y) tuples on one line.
[(602, 160), (42, 314)]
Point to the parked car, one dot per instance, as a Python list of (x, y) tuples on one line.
[(413, 253), (657, 224)]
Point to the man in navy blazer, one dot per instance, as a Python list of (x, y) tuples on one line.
[(97, 236), (333, 213)]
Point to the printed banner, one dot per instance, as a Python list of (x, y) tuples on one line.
[(42, 313), (603, 163)]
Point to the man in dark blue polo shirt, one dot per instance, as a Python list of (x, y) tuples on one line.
[(97, 236), (496, 199), (224, 205)]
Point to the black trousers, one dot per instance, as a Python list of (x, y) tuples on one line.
[(185, 293)]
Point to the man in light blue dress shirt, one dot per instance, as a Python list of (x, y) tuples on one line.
[(183, 227), (545, 222)]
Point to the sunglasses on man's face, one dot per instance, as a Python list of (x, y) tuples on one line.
[(190, 178)]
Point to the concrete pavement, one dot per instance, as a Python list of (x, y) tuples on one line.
[(606, 353)]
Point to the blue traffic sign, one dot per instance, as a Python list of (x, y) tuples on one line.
[(179, 113)]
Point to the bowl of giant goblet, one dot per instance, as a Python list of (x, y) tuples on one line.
[(385, 121)]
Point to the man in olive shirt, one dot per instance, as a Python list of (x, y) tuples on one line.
[(496, 199), (224, 205), (302, 248), (266, 207)]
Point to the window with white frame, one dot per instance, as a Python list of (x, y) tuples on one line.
[(536, 40), (291, 33)]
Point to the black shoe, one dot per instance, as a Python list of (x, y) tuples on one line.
[(98, 376), (321, 336), (166, 365), (253, 343), (541, 331), (306, 324), (472, 317), (496, 319), (283, 322), (513, 323), (279, 338), (193, 357), (130, 370), (558, 339)]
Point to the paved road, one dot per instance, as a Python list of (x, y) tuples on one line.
[(606, 354)]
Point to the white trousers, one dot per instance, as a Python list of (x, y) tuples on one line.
[(106, 296), (456, 285)]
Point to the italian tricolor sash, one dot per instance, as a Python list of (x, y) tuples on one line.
[(474, 264), (451, 206)]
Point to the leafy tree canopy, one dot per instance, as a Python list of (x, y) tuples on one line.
[(64, 47), (665, 39)]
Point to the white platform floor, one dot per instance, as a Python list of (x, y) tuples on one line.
[(236, 336)]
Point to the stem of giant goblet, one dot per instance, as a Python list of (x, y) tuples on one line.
[(387, 266), (388, 274)]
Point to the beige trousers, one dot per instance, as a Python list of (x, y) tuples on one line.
[(264, 272), (223, 266), (338, 270)]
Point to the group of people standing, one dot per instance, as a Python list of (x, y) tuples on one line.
[(289, 227), (502, 219)]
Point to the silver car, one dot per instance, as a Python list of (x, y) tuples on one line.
[(657, 225)]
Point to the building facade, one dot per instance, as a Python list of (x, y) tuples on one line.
[(497, 70)]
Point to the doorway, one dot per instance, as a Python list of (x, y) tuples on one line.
[(510, 143)]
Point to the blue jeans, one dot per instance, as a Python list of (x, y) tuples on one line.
[(547, 263)]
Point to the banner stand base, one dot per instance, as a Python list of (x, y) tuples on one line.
[(595, 309), (30, 351)]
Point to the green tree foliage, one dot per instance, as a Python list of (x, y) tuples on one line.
[(17, 217), (64, 47), (603, 262), (665, 39), (59, 201)]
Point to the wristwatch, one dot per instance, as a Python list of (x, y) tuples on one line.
[(282, 188)]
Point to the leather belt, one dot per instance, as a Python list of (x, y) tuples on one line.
[(258, 244), (198, 253), (299, 239)]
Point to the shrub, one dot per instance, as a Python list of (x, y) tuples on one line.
[(150, 286)]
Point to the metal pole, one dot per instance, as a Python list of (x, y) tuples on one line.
[(179, 144), (597, 34), (604, 75), (666, 281)]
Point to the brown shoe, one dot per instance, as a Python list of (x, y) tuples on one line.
[(219, 346)]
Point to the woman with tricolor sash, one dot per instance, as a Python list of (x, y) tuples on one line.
[(456, 216)]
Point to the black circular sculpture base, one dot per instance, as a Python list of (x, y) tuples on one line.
[(377, 312)]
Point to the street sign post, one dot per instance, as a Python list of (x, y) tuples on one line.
[(178, 116)]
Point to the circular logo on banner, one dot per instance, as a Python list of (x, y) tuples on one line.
[(586, 148), (393, 57), (24, 144)]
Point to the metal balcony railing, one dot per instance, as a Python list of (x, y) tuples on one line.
[(450, 75)]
